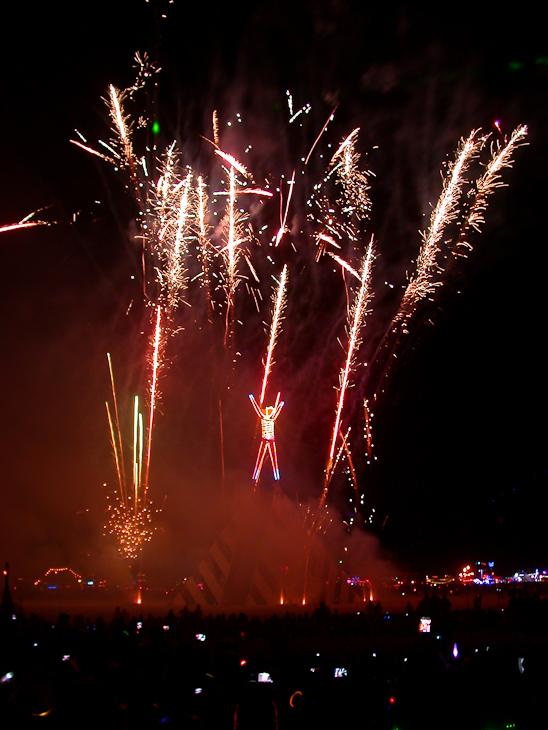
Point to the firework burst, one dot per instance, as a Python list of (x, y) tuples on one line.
[(129, 515)]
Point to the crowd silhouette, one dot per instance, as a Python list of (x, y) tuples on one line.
[(475, 669)]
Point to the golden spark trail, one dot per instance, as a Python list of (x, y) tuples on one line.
[(204, 245), (120, 464), (344, 265), (356, 315), (26, 222), (344, 146), (215, 121), (92, 151), (119, 121), (233, 162), (354, 182), (232, 231), (176, 268), (124, 134), (256, 191), (140, 463), (421, 284), (486, 185), (131, 524), (136, 468), (231, 256), (276, 318), (322, 239), (153, 393), (115, 452), (16, 226)]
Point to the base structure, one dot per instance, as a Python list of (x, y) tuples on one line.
[(269, 560)]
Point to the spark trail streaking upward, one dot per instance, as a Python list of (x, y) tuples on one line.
[(356, 317), (153, 391), (422, 284), (486, 185), (279, 303)]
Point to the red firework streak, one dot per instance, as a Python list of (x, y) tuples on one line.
[(153, 389), (356, 316)]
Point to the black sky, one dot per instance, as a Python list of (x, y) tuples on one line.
[(460, 442)]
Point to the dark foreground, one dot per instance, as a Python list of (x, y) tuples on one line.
[(477, 669)]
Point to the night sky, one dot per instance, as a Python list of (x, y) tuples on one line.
[(460, 438)]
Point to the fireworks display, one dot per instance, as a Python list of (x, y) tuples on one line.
[(180, 246), (226, 206)]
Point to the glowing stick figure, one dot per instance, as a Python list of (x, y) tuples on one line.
[(268, 416)]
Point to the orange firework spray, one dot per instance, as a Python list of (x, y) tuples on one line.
[(356, 317), (279, 303)]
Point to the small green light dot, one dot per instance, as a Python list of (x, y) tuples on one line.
[(155, 127)]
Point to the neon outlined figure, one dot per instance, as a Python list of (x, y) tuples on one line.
[(268, 416)]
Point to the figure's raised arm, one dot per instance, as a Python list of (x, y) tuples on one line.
[(256, 406), (277, 410)]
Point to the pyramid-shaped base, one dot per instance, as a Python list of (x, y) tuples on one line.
[(266, 559)]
